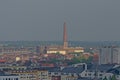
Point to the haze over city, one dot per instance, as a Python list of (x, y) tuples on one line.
[(59, 40), (87, 20)]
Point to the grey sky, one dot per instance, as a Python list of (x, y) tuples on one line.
[(89, 20)]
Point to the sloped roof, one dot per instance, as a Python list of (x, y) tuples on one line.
[(115, 70), (103, 67), (73, 69)]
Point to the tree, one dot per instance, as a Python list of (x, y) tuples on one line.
[(113, 77), (105, 78), (110, 78)]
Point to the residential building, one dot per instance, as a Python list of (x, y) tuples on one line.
[(4, 76), (31, 74), (109, 55)]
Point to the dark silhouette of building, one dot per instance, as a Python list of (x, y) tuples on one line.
[(37, 49), (45, 50)]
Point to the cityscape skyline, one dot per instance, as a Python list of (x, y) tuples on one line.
[(59, 40), (43, 20)]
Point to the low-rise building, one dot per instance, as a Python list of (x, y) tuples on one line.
[(96, 71), (31, 74), (4, 76), (12, 67)]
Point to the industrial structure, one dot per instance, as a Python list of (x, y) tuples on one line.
[(64, 49)]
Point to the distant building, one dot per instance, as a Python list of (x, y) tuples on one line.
[(106, 55), (64, 49), (31, 74), (116, 55), (45, 50), (11, 67), (9, 50), (41, 49), (4, 76), (37, 49), (109, 55)]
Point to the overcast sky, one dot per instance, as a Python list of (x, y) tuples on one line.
[(87, 20)]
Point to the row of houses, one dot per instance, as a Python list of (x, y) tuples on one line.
[(79, 71)]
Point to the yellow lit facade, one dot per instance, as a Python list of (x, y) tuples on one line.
[(65, 51), (56, 51)]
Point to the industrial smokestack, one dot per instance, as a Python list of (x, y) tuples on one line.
[(65, 42)]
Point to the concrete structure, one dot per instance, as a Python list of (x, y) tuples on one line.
[(116, 55), (109, 55), (105, 56)]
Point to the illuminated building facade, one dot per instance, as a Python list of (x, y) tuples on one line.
[(64, 49)]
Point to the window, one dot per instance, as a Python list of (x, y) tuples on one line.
[(89, 74), (56, 73), (100, 74)]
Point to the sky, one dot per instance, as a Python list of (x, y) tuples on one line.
[(42, 20)]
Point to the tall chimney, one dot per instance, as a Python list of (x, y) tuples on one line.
[(65, 42)]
